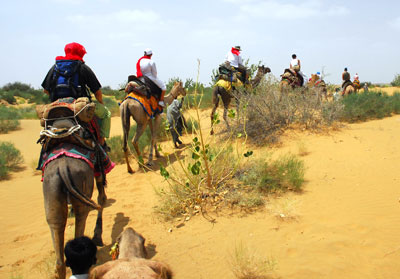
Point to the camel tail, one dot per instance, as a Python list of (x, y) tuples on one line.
[(65, 176)]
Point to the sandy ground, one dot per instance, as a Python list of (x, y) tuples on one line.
[(345, 224)]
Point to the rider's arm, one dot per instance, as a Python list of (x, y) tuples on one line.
[(99, 96), (47, 92), (298, 61)]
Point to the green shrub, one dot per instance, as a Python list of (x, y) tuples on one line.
[(368, 105), (10, 158), (396, 80), (19, 86), (8, 96), (281, 175)]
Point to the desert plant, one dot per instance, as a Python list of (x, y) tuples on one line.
[(10, 158), (280, 175), (368, 105), (246, 264)]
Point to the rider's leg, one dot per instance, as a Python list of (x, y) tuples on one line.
[(104, 115)]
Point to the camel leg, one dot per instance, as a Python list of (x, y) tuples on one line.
[(156, 127), (225, 117), (126, 125), (55, 203), (101, 200), (215, 100), (139, 132)]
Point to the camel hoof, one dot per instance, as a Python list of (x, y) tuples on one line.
[(98, 241), (212, 132), (131, 170), (149, 164)]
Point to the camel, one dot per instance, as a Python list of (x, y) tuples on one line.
[(348, 90), (226, 95), (72, 178), (289, 81), (131, 262), (318, 86), (130, 107)]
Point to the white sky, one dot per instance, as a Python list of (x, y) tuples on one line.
[(363, 36)]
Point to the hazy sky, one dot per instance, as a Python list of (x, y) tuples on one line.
[(363, 36)]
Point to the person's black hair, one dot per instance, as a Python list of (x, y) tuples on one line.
[(345, 69), (80, 254), (294, 56)]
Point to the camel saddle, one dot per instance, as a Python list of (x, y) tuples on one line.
[(345, 84), (81, 108), (144, 86), (293, 78), (68, 120)]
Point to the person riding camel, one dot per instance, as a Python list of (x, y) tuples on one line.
[(345, 78), (234, 59), (70, 77), (295, 67), (147, 67)]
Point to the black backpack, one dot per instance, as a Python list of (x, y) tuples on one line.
[(65, 80)]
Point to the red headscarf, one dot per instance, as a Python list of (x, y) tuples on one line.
[(235, 51), (138, 70), (73, 51)]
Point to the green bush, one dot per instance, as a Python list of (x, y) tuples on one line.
[(8, 96), (281, 175), (369, 105), (10, 158), (19, 86), (396, 80)]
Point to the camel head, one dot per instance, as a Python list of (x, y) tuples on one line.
[(264, 70), (131, 244), (178, 89)]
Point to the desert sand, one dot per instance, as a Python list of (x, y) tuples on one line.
[(345, 224)]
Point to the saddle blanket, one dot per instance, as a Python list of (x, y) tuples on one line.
[(150, 106), (228, 85), (73, 151)]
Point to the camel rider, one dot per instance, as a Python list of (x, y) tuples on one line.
[(234, 59), (356, 77), (345, 77), (57, 85), (147, 67), (295, 67)]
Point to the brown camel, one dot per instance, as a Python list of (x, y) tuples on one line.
[(227, 96), (319, 87), (348, 90), (290, 81), (71, 178), (130, 107), (131, 262)]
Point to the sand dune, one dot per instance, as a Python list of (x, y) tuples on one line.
[(347, 219)]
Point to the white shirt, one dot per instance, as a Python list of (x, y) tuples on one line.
[(149, 69), (294, 62), (79, 276), (234, 60)]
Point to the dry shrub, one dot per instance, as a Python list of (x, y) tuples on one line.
[(246, 264), (267, 111)]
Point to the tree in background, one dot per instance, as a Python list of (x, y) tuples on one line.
[(396, 80)]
